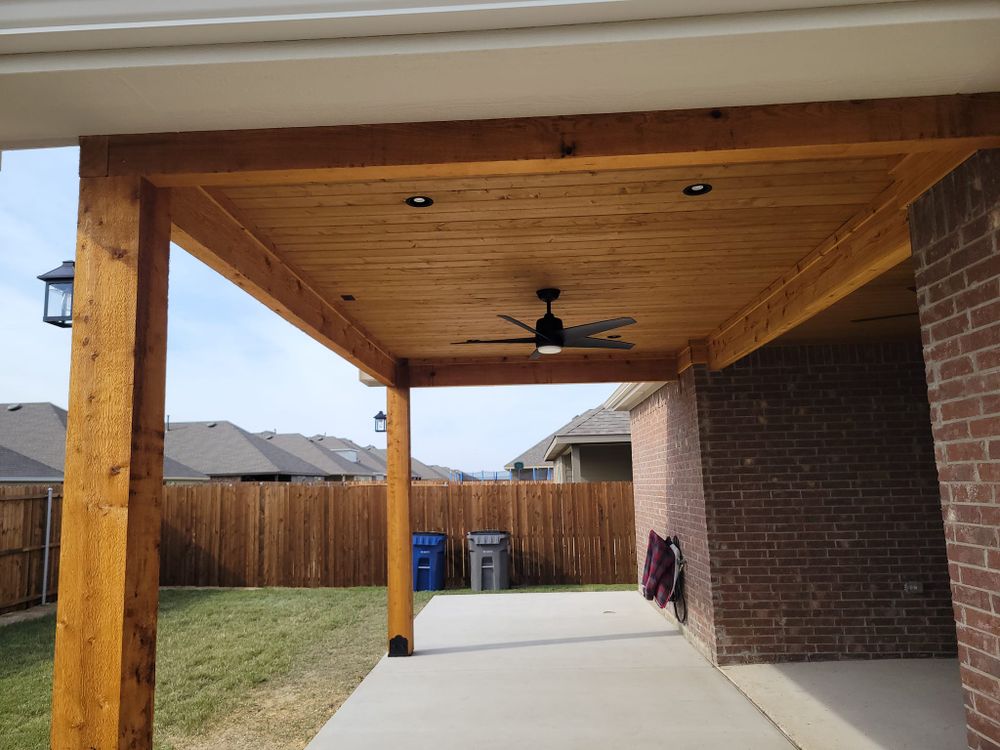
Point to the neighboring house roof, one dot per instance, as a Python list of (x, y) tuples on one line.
[(418, 469), (15, 467), (34, 435), (37, 431), (222, 449), (447, 472), (598, 426), (366, 458), (175, 470), (534, 457), (309, 449)]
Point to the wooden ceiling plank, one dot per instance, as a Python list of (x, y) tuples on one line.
[(871, 243), (781, 132), (830, 168), (484, 199), (209, 232)]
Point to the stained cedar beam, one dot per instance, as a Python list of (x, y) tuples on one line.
[(205, 228), (873, 241), (103, 677), (399, 558), (555, 369), (553, 144)]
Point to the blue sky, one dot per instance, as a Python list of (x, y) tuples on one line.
[(228, 357)]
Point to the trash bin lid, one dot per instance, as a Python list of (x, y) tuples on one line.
[(428, 538), (488, 536)]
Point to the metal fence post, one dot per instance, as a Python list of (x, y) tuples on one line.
[(48, 539)]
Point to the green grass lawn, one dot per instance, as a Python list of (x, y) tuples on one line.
[(236, 668)]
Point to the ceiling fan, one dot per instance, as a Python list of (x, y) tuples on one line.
[(549, 336), (892, 316)]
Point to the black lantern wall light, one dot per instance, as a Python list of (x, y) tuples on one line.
[(59, 295)]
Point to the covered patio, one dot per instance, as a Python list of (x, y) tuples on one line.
[(718, 230), (594, 670), (576, 670)]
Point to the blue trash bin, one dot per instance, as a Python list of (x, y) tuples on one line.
[(428, 560)]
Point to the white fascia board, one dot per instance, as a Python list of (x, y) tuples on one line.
[(28, 26), (629, 395), (871, 51), (562, 443)]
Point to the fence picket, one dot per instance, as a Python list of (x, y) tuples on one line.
[(275, 534)]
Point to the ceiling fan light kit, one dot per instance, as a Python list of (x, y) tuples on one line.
[(550, 336)]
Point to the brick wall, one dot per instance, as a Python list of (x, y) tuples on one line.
[(669, 494), (649, 469), (821, 501), (801, 481), (955, 232)]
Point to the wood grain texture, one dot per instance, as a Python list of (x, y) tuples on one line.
[(872, 242), (221, 534), (109, 561), (22, 545), (204, 227), (596, 368), (560, 144), (399, 564)]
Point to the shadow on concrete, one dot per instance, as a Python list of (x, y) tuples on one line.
[(543, 642), (879, 704)]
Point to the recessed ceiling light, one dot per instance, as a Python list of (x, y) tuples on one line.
[(419, 201), (347, 297), (697, 188)]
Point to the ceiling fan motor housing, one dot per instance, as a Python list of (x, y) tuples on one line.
[(551, 329)]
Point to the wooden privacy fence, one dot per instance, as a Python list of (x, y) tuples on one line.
[(22, 544), (306, 535), (334, 534)]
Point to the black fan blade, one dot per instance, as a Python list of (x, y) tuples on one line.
[(535, 355), (886, 317), (525, 326), (589, 343), (525, 340), (599, 326)]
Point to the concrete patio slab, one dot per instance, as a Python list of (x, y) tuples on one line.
[(557, 670), (891, 704)]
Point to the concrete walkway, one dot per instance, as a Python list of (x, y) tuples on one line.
[(560, 671), (889, 704)]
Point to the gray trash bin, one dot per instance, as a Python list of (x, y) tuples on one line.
[(489, 559)]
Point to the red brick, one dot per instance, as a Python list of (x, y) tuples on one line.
[(965, 401)]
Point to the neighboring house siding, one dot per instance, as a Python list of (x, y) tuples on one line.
[(604, 463)]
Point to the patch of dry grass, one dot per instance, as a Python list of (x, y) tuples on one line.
[(237, 669)]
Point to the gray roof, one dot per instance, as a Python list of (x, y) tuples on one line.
[(37, 431), (175, 470), (313, 451), (418, 469), (591, 426), (598, 421), (35, 435), (596, 426), (15, 467), (534, 457), (368, 459), (445, 471), (222, 449)]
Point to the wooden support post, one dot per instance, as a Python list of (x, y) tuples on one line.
[(109, 565), (400, 560)]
